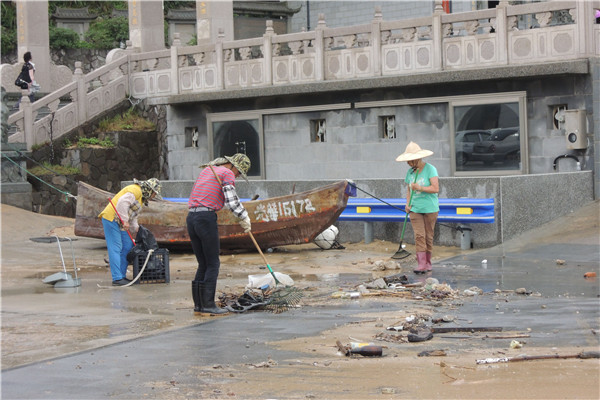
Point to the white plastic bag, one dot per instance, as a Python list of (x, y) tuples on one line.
[(258, 281)]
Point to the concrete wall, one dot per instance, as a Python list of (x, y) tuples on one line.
[(521, 202), (354, 148)]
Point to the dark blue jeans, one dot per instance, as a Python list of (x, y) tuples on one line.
[(204, 235)]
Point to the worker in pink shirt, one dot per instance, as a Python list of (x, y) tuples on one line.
[(208, 196)]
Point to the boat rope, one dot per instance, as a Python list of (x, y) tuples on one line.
[(398, 208), (67, 194)]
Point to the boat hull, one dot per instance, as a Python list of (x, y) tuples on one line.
[(277, 221)]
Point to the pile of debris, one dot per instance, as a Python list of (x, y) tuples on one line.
[(399, 286)]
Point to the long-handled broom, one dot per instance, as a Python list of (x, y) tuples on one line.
[(401, 253), (280, 298)]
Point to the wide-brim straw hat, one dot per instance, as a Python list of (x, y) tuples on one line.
[(413, 152)]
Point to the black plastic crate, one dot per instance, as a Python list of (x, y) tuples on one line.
[(157, 269)]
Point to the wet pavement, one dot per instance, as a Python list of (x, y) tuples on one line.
[(560, 309)]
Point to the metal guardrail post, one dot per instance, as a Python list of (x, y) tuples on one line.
[(368, 232), (465, 237)]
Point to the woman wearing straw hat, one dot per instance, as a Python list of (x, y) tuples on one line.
[(422, 203)]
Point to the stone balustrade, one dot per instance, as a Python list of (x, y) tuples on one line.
[(508, 35), (89, 95)]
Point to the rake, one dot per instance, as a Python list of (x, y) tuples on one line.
[(282, 297), (401, 253)]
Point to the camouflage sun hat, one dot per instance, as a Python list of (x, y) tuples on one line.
[(149, 186), (241, 162)]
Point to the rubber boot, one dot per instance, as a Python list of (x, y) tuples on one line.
[(197, 298), (428, 261), (422, 261), (207, 296)]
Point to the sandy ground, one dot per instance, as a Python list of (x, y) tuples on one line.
[(40, 323)]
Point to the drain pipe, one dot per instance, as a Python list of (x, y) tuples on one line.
[(567, 156)]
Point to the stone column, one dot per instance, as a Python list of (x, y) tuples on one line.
[(212, 16), (33, 36), (146, 24)]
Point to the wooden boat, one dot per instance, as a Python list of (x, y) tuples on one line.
[(277, 221)]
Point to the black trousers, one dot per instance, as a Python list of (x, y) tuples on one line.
[(204, 235)]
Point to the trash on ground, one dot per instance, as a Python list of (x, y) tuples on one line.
[(395, 328), (445, 318), (346, 295), (260, 281), (589, 275), (384, 265), (420, 335), (376, 284), (472, 291), (471, 329), (327, 239), (515, 344), (363, 349), (268, 299), (583, 355), (250, 299)]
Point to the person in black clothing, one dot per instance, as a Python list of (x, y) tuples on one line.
[(27, 75)]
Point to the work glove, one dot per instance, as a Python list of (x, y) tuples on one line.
[(245, 224)]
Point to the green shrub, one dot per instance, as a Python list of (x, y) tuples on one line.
[(9, 41), (193, 41), (63, 38), (8, 16), (107, 33)]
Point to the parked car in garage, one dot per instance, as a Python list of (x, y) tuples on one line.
[(465, 141), (503, 145)]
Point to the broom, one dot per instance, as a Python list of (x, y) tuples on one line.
[(280, 298)]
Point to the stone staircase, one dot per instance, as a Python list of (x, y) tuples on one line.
[(11, 101)]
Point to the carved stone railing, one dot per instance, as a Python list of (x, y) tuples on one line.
[(89, 96), (505, 36)]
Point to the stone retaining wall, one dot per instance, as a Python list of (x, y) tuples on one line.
[(134, 156)]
